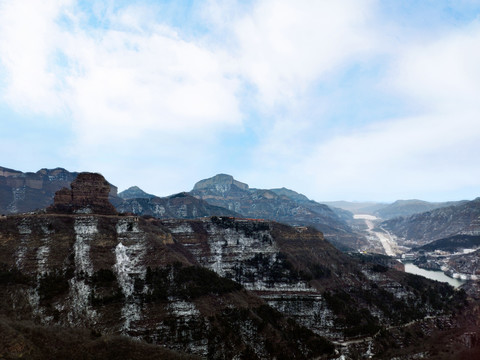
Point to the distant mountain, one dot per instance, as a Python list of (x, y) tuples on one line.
[(179, 206), (282, 205), (300, 198), (411, 207), (75, 277), (365, 207), (134, 192), (423, 228), (24, 192), (389, 211)]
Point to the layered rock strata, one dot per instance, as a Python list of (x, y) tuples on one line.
[(89, 193)]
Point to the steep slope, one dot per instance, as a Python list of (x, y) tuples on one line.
[(281, 205), (23, 192), (467, 264), (134, 192), (217, 287), (179, 206), (452, 244), (419, 229)]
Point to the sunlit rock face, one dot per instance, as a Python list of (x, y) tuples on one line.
[(89, 193)]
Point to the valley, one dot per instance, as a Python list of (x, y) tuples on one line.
[(224, 271), (376, 234)]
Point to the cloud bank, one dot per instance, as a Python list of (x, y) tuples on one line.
[(334, 99)]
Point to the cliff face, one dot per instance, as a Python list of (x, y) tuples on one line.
[(23, 192), (280, 205), (419, 229), (88, 193), (215, 287), (179, 206)]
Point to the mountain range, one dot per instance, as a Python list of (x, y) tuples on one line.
[(215, 287), (420, 229), (413, 222), (399, 208)]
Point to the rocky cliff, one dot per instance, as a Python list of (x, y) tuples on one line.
[(23, 192), (178, 206), (88, 193), (216, 287), (282, 205)]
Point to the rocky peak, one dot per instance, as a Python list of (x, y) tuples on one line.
[(134, 192), (219, 182), (88, 194)]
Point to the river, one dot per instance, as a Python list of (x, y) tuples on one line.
[(432, 274)]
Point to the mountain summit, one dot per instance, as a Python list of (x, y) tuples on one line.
[(134, 192), (282, 205), (220, 182)]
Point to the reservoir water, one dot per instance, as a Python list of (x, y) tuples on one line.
[(431, 274)]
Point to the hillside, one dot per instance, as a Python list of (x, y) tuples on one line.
[(23, 192), (403, 208), (215, 287), (282, 205), (387, 211), (178, 206), (134, 192), (452, 244), (419, 229)]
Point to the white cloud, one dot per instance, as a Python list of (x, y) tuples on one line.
[(430, 154), (442, 74), (285, 47), (136, 91), (122, 81), (28, 36)]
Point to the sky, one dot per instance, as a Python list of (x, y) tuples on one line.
[(338, 100)]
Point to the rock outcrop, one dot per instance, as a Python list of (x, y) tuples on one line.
[(178, 206), (24, 192), (134, 192), (282, 205), (89, 193), (221, 182), (215, 287)]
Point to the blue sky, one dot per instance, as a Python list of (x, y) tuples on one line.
[(339, 100)]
